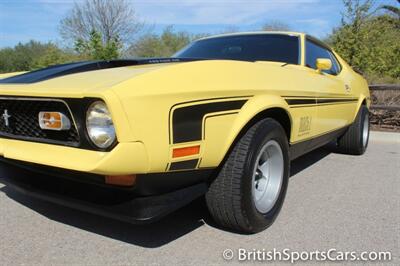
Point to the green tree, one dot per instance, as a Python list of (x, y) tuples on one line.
[(33, 55), (94, 48), (112, 19), (348, 38), (368, 41), (164, 45)]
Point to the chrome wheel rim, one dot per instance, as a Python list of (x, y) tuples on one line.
[(365, 131), (268, 176)]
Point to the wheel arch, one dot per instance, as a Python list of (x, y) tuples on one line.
[(279, 113), (363, 101)]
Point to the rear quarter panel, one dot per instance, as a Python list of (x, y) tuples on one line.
[(358, 84)]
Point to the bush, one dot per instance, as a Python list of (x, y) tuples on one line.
[(33, 55)]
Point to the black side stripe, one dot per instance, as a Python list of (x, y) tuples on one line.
[(316, 105), (184, 165), (301, 101), (318, 101), (336, 100), (187, 121)]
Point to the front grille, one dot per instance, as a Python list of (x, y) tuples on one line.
[(19, 120)]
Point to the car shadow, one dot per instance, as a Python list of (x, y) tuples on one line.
[(152, 235), (310, 159), (162, 232)]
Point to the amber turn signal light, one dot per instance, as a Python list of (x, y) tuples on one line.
[(54, 121), (121, 180), (187, 151)]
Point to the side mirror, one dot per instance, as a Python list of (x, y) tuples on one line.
[(323, 64)]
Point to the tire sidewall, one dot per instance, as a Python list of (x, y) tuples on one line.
[(364, 113), (268, 130)]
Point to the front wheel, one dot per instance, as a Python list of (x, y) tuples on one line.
[(249, 191)]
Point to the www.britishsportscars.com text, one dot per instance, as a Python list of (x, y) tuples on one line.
[(288, 255)]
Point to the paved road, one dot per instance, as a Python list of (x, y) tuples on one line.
[(334, 201)]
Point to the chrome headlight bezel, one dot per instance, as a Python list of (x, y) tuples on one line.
[(100, 128)]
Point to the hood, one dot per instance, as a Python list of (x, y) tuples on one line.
[(79, 67), (90, 79), (79, 78)]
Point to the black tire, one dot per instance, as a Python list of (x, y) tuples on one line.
[(354, 141), (229, 198)]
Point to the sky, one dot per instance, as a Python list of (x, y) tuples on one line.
[(23, 20)]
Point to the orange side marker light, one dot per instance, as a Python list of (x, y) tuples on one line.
[(187, 151)]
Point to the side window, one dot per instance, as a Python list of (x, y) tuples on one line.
[(335, 64), (314, 51)]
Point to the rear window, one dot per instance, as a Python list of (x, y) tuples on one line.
[(267, 47)]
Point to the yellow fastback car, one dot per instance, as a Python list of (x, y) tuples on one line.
[(137, 139)]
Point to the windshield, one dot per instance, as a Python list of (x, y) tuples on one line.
[(263, 47)]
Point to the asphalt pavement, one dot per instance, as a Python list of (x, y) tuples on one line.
[(334, 202)]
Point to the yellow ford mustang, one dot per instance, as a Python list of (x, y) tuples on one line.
[(137, 139)]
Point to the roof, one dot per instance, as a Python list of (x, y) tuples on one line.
[(253, 33)]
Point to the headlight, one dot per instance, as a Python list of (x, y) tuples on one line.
[(99, 124)]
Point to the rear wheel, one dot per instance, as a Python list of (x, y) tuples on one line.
[(249, 191), (355, 140)]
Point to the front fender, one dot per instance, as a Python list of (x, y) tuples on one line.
[(254, 106)]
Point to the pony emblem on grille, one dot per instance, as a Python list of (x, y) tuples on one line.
[(6, 118)]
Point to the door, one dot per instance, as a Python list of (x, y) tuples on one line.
[(335, 104)]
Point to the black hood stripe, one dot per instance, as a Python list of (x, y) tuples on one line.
[(79, 67)]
